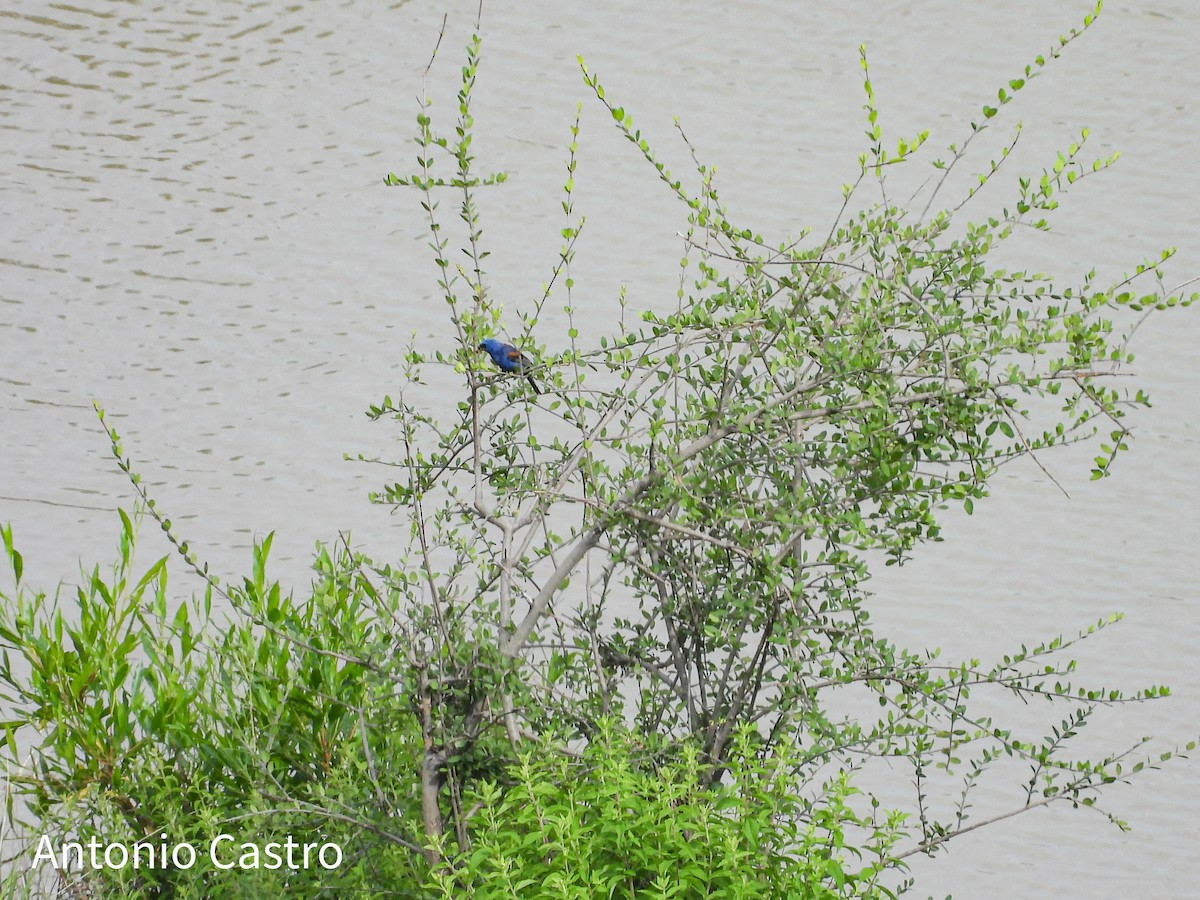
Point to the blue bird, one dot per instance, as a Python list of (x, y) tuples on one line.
[(509, 359)]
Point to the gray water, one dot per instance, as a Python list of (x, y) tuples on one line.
[(193, 232)]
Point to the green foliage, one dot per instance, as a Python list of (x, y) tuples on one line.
[(134, 719), (727, 472), (628, 820)]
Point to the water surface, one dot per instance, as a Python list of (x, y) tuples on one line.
[(195, 235)]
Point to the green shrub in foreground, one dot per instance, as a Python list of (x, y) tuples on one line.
[(622, 822), (143, 722)]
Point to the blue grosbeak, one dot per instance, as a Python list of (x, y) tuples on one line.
[(509, 359)]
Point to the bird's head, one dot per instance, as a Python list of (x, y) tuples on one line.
[(489, 345)]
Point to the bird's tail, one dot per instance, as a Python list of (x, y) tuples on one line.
[(533, 384)]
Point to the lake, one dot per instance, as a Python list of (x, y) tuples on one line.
[(196, 236)]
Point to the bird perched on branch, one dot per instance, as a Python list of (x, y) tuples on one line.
[(509, 359)]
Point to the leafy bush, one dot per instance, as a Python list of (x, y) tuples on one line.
[(132, 719), (622, 820)]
